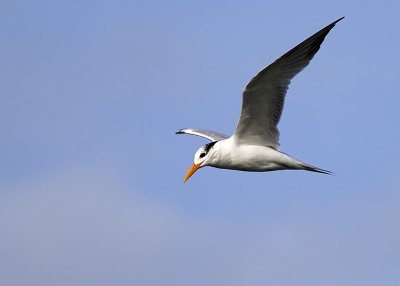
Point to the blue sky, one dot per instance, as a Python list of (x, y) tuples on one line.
[(91, 171)]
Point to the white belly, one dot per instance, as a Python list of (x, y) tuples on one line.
[(252, 158)]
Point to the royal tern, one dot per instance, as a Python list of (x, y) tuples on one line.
[(254, 146)]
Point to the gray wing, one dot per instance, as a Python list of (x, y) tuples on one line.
[(264, 95), (210, 135)]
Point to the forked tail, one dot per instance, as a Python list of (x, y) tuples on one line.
[(315, 169)]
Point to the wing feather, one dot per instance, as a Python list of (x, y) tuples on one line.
[(210, 135), (264, 95)]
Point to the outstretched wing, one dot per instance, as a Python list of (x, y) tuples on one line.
[(264, 95), (210, 135)]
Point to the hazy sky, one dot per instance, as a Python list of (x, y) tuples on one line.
[(91, 171)]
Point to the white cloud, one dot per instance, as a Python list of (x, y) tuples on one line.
[(87, 228)]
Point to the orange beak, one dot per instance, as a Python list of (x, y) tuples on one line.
[(191, 171)]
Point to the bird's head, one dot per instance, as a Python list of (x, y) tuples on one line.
[(202, 157)]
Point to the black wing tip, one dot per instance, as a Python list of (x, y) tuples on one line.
[(319, 37), (330, 26), (333, 24), (180, 131), (340, 19)]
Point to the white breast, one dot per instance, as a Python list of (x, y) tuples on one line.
[(227, 154)]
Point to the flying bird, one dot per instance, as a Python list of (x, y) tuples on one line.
[(254, 146)]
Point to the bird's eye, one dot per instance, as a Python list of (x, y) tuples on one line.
[(202, 155)]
